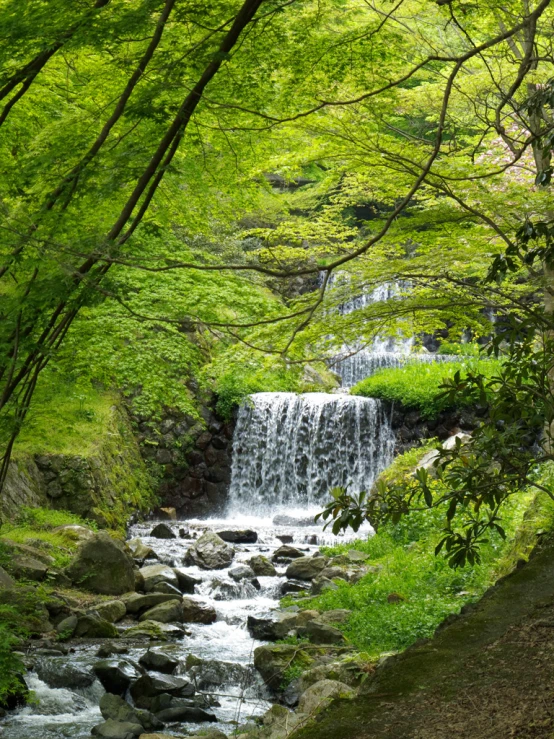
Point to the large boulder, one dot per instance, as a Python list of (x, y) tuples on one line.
[(262, 566), (116, 675), (24, 567), (185, 581), (306, 568), (157, 575), (210, 552), (242, 572), (165, 613), (319, 695), (196, 612), (102, 565), (137, 603), (322, 633)]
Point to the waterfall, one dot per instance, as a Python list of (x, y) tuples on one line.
[(355, 363), (290, 450)]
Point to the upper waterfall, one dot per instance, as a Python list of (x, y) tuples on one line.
[(291, 450)]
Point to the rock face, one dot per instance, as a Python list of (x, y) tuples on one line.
[(103, 566), (210, 552), (306, 568)]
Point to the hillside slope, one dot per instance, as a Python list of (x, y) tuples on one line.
[(488, 673)]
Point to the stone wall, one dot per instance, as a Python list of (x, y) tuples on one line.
[(191, 459), (106, 485)]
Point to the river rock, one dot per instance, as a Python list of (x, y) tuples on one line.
[(321, 633), (116, 675), (185, 714), (146, 630), (306, 568), (160, 661), (335, 573), (156, 575), (141, 551), (242, 572), (321, 584), (319, 695), (354, 555), (137, 603), (107, 650), (66, 627), (165, 613), (210, 552), (24, 567), (293, 586), (62, 673), (271, 627), (149, 686), (337, 616), (246, 536), (162, 531), (286, 553), (112, 610), (262, 566), (111, 729), (103, 566), (115, 708), (186, 582), (196, 612), (92, 626), (273, 660)]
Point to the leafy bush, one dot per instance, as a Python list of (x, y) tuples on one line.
[(11, 666), (418, 386)]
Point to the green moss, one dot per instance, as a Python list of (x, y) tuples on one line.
[(418, 386)]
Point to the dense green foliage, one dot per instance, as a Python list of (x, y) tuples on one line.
[(429, 588), (419, 386)]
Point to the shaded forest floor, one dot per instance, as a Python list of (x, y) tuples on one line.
[(487, 674)]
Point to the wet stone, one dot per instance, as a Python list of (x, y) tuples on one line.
[(160, 661), (162, 531), (116, 675), (246, 536)]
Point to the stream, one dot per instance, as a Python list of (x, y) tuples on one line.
[(227, 676)]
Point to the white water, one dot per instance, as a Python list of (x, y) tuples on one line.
[(290, 450)]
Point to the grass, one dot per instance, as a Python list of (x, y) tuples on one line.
[(407, 566), (416, 386), (36, 525), (65, 419)]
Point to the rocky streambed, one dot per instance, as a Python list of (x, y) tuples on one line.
[(190, 647)]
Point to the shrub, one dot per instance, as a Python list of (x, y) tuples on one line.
[(418, 386)]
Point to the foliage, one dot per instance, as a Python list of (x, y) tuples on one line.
[(11, 667), (417, 385), (408, 566)]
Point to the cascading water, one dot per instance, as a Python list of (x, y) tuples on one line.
[(355, 362), (290, 450)]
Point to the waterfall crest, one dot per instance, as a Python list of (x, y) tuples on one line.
[(290, 450)]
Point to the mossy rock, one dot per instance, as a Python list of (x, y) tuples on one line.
[(102, 565)]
